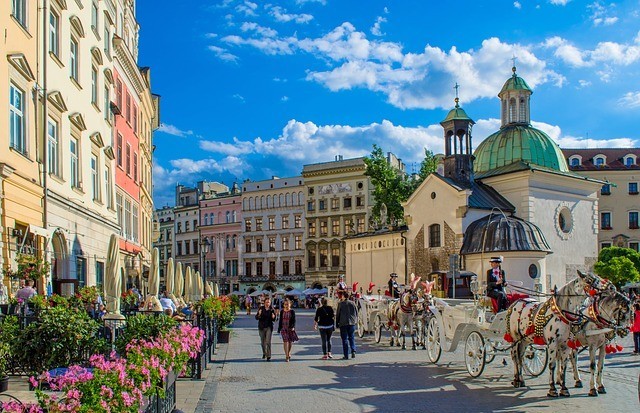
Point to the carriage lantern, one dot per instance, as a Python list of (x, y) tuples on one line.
[(474, 285)]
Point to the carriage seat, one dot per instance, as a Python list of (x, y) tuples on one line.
[(511, 297)]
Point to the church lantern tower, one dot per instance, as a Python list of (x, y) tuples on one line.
[(458, 157), (515, 99)]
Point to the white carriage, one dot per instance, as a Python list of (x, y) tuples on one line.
[(474, 323), (372, 313)]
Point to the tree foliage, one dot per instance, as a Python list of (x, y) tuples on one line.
[(391, 186), (619, 265)]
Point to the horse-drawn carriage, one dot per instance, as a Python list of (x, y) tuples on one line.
[(482, 331)]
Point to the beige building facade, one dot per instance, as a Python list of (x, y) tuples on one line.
[(618, 199), (339, 202), (272, 237)]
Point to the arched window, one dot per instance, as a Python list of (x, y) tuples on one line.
[(280, 200), (504, 111), (512, 110), (244, 204), (575, 162), (228, 217), (288, 199), (228, 242), (523, 110), (262, 203), (599, 162), (629, 161), (269, 205), (233, 242), (212, 218), (234, 216), (206, 219)]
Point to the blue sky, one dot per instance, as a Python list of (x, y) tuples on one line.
[(253, 89)]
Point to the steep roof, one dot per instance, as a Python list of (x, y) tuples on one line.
[(614, 158)]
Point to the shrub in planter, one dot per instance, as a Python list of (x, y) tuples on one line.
[(4, 365), (60, 337), (143, 327), (220, 308)]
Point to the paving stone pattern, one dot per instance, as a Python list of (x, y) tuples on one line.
[(383, 379)]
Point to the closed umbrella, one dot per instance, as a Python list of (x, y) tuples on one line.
[(188, 286), (169, 280), (154, 273), (198, 287), (179, 285), (216, 290), (113, 282), (208, 288)]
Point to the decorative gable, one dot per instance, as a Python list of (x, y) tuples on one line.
[(108, 151), (97, 55), (76, 25), (97, 139), (19, 62), (78, 121), (55, 98)]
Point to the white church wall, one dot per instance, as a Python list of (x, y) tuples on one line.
[(516, 267)]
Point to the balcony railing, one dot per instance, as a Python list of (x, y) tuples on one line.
[(273, 277)]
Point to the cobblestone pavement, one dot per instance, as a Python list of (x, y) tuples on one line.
[(383, 379)]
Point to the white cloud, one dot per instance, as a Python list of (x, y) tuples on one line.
[(409, 80), (248, 8), (278, 79), (517, 5), (174, 130), (301, 2), (232, 149), (630, 99), (601, 15), (284, 98), (606, 53), (584, 83), (223, 54), (559, 2), (211, 35), (238, 97), (260, 30), (282, 16), (376, 29)]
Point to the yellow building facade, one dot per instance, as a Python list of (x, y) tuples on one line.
[(21, 205)]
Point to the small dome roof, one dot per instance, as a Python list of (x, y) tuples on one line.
[(457, 113), (498, 233), (515, 143), (515, 82)]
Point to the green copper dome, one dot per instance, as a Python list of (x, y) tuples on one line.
[(515, 82), (457, 113), (516, 143)]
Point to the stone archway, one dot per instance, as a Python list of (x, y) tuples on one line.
[(317, 286), (270, 287)]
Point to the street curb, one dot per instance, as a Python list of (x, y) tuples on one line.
[(208, 395)]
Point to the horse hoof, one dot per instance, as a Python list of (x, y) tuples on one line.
[(552, 393), (564, 393), (578, 385), (601, 390), (593, 393)]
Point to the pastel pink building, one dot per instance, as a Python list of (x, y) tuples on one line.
[(220, 228)]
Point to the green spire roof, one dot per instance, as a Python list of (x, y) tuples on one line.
[(515, 82), (518, 143)]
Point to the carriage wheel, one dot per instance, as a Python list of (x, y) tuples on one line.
[(377, 329), (474, 354), (360, 328), (535, 360), (432, 338)]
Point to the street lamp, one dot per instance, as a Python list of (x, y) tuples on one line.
[(222, 273), (205, 245)]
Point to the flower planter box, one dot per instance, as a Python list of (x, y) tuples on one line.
[(223, 336)]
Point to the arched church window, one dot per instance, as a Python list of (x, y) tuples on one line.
[(504, 111), (523, 110), (512, 110)]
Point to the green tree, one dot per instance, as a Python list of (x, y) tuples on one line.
[(619, 265), (391, 186)]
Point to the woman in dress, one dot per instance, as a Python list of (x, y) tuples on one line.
[(287, 328), (324, 321)]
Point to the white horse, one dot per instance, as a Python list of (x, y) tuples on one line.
[(548, 323), (608, 315)]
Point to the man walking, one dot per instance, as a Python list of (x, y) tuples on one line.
[(266, 316), (346, 320)]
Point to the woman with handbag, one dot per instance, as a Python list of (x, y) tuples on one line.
[(324, 321), (287, 328)]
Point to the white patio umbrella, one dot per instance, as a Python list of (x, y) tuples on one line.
[(198, 287), (154, 273), (208, 288), (169, 280), (216, 290), (113, 281), (188, 286), (179, 282)]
